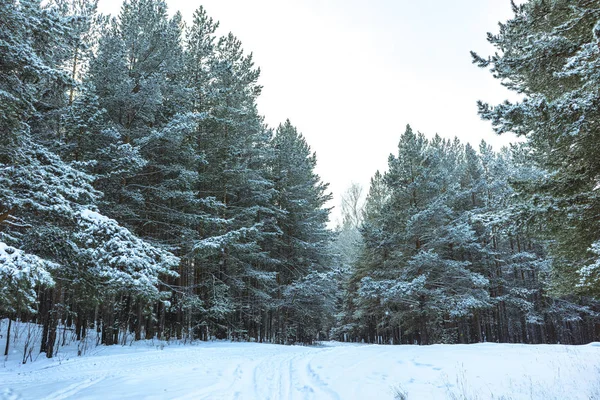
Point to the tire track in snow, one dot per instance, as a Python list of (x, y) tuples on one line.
[(73, 389), (320, 383), (223, 388), (272, 377), (291, 376), (277, 376), (316, 387), (221, 372)]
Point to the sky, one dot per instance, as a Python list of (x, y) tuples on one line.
[(350, 74)]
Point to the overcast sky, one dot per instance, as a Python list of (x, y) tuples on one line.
[(351, 74)]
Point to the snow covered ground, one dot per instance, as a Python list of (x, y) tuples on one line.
[(224, 370)]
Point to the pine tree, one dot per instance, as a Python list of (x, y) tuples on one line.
[(141, 192), (43, 196), (304, 295), (363, 312), (36, 188), (136, 75), (236, 269), (549, 53), (447, 256)]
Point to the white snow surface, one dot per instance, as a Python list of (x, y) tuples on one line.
[(226, 370)]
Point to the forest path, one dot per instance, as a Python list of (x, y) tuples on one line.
[(223, 370)]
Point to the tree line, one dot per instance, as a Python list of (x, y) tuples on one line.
[(461, 246), (142, 195), (448, 254)]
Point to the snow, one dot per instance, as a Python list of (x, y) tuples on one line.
[(93, 216), (224, 370), (121, 258), (18, 265)]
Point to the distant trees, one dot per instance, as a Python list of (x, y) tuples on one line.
[(463, 245), (447, 258), (346, 250)]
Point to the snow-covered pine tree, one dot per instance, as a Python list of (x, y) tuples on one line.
[(136, 75), (527, 310), (41, 196), (235, 269), (200, 59), (549, 53), (37, 190), (486, 199), (124, 269), (450, 253), (362, 313), (436, 289), (306, 281), (150, 173)]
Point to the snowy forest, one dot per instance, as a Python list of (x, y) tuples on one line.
[(142, 194)]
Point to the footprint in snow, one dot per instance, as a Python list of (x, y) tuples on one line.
[(307, 389), (9, 394), (418, 364)]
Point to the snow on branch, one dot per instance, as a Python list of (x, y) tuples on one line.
[(123, 259)]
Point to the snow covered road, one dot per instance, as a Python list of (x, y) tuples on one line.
[(223, 370)]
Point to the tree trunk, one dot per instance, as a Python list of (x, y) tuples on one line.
[(53, 322), (8, 336), (78, 320), (45, 309), (139, 322)]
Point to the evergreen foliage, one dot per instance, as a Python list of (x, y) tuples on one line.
[(448, 258), (142, 194), (549, 53)]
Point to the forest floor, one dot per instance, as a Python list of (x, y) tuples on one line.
[(331, 370)]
